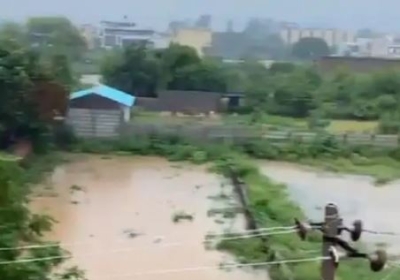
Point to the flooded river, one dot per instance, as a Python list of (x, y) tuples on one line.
[(356, 197), (116, 216)]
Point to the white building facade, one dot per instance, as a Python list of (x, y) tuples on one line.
[(121, 33)]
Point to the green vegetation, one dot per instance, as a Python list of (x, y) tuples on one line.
[(21, 227), (283, 89), (323, 152), (34, 85), (310, 48), (269, 201), (36, 76)]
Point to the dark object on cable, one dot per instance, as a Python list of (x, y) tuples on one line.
[(377, 260), (355, 232)]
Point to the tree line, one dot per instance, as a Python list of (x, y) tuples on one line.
[(34, 89), (285, 89)]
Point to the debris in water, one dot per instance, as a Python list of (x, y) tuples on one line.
[(158, 239), (131, 233)]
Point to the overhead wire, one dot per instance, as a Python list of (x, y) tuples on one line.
[(259, 232), (66, 256), (392, 233)]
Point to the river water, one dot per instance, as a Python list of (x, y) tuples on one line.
[(115, 215), (356, 197)]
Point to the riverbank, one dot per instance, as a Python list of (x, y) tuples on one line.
[(356, 196), (324, 152)]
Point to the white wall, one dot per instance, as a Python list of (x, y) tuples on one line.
[(126, 113)]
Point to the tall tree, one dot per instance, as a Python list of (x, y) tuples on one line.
[(56, 35), (174, 58), (204, 76), (310, 48), (134, 69), (61, 70)]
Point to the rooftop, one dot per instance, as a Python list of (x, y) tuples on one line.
[(107, 92)]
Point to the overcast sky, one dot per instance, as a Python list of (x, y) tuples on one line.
[(379, 14)]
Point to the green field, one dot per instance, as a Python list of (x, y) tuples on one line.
[(268, 122)]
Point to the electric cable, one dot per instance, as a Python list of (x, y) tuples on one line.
[(55, 244), (66, 256)]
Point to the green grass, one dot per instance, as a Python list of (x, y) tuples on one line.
[(268, 122), (272, 207), (342, 126), (382, 169), (269, 201)]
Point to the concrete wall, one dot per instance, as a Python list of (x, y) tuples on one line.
[(95, 122), (95, 116)]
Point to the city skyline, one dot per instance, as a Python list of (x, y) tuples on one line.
[(380, 15)]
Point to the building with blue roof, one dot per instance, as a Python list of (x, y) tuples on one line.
[(99, 111)]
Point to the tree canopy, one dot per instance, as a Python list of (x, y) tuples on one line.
[(310, 48), (30, 96), (141, 71)]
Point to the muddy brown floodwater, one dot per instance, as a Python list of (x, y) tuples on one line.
[(115, 215), (356, 196)]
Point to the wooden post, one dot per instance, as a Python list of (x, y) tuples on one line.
[(332, 222)]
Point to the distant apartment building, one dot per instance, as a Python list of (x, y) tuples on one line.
[(121, 33), (384, 46), (196, 38), (333, 37)]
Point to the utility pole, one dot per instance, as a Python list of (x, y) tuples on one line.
[(331, 229)]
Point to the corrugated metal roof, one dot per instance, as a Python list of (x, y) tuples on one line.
[(107, 92)]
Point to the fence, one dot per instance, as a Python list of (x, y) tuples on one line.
[(238, 133)]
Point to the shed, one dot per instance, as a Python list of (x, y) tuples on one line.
[(99, 111)]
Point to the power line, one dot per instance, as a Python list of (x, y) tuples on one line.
[(392, 233), (260, 232), (28, 260), (224, 266)]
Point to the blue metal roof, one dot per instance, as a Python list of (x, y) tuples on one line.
[(107, 92)]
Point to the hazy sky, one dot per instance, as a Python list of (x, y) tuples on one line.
[(379, 14)]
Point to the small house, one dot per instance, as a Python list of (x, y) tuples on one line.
[(99, 111)]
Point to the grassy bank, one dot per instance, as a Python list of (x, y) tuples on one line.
[(266, 121), (19, 226), (327, 154), (269, 201)]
